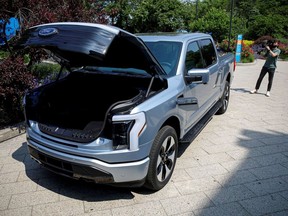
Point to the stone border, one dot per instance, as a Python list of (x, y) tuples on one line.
[(12, 131), (246, 64)]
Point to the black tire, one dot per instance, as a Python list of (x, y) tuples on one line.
[(163, 158), (224, 99)]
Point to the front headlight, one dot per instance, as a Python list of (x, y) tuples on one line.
[(121, 131), (127, 129)]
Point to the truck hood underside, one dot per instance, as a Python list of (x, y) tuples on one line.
[(83, 44)]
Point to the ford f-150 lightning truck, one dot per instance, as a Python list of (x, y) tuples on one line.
[(122, 103)]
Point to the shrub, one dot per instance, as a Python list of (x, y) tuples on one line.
[(247, 54), (248, 59), (259, 49), (261, 40), (17, 77), (45, 72), (283, 46), (248, 42), (15, 80), (224, 45), (3, 55)]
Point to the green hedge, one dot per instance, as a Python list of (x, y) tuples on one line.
[(16, 79)]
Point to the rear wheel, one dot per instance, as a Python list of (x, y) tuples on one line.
[(163, 157), (224, 99)]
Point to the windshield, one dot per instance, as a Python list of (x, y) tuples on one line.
[(167, 54)]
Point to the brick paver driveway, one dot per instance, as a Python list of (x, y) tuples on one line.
[(238, 165)]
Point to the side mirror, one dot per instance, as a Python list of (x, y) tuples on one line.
[(199, 76)]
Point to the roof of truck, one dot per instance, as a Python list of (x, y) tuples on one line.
[(171, 36)]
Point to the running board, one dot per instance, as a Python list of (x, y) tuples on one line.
[(194, 131)]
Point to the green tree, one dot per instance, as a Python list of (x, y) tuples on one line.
[(216, 22), (205, 5), (246, 9), (263, 17), (273, 24), (148, 15), (119, 12)]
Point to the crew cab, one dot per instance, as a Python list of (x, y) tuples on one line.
[(127, 102)]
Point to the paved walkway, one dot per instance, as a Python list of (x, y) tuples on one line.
[(238, 165)]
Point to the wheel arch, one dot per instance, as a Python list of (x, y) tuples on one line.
[(228, 78), (174, 122)]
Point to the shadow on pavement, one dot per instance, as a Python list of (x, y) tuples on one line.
[(256, 182), (76, 189), (243, 90)]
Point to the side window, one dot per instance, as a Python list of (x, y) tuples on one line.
[(193, 57), (208, 52)]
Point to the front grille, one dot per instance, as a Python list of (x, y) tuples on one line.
[(76, 171), (52, 163)]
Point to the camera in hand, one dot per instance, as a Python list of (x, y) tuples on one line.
[(268, 43)]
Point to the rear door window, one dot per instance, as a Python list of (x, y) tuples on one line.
[(193, 57), (208, 52)]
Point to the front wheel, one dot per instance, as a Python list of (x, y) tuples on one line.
[(224, 99), (163, 157)]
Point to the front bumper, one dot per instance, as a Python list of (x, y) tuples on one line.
[(80, 167)]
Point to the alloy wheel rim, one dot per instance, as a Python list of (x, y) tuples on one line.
[(226, 98), (166, 159)]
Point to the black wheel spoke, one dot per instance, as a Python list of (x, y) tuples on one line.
[(163, 172), (165, 159)]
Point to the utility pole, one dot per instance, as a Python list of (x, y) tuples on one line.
[(230, 26), (196, 10)]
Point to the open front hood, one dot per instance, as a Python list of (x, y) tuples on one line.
[(88, 44)]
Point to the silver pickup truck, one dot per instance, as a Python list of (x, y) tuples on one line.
[(122, 103)]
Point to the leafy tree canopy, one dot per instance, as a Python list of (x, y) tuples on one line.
[(214, 22), (165, 15), (147, 15), (272, 24)]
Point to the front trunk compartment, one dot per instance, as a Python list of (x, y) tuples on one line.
[(80, 106)]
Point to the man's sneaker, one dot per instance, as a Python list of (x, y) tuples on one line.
[(267, 94), (253, 91)]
